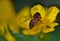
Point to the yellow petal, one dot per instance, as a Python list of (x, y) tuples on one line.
[(38, 8), (52, 25), (2, 30), (36, 29), (9, 37), (23, 15), (52, 13), (7, 10), (25, 24), (13, 26), (51, 28), (2, 27)]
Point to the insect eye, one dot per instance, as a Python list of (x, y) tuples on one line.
[(36, 15)]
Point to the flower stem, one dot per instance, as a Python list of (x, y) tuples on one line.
[(44, 38)]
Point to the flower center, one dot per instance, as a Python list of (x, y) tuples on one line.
[(34, 20)]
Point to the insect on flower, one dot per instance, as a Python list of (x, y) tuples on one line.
[(38, 19), (35, 19)]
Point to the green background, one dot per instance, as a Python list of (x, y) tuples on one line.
[(19, 4)]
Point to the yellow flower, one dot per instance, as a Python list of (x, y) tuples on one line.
[(8, 20), (37, 19)]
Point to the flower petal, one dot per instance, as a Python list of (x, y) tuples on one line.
[(13, 26), (52, 13), (23, 15), (2, 30), (9, 37), (51, 28), (33, 31), (2, 27), (38, 8), (7, 10), (25, 24)]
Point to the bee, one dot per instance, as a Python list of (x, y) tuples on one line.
[(34, 20)]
